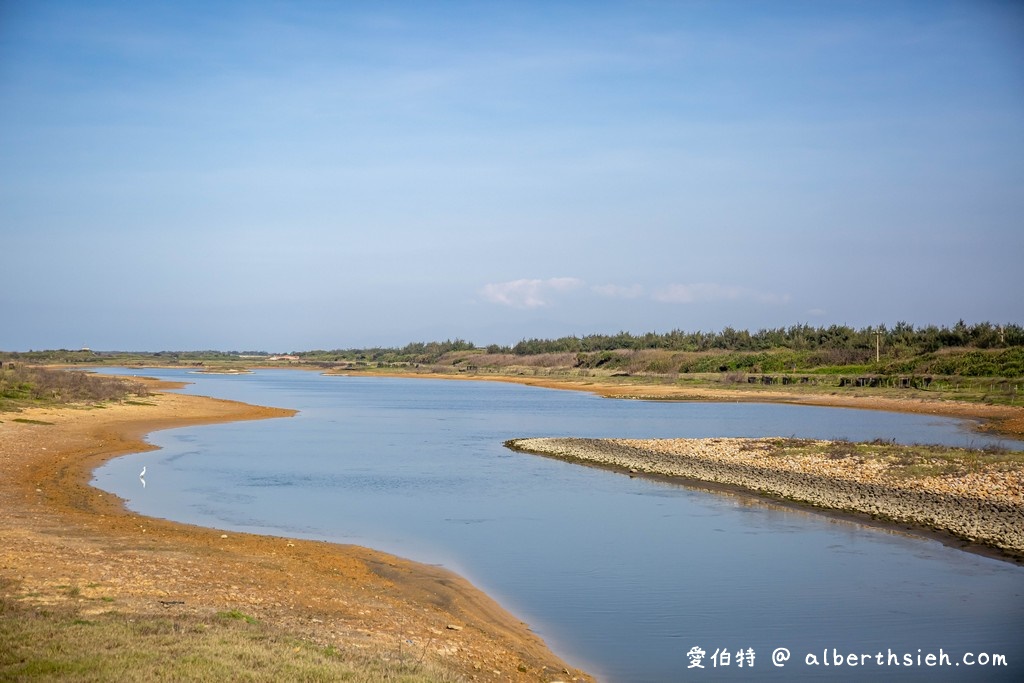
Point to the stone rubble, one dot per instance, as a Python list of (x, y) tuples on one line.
[(984, 507)]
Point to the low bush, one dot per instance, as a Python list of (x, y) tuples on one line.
[(25, 385)]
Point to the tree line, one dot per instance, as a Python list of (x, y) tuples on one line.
[(902, 336), (836, 344)]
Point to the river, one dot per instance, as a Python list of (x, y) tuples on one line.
[(627, 578)]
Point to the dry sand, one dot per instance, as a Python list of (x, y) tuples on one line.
[(57, 531)]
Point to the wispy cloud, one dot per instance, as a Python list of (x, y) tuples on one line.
[(702, 292), (619, 291), (528, 293), (539, 293)]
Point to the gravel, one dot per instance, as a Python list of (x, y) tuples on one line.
[(985, 507)]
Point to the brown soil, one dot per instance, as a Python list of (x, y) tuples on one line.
[(57, 532)]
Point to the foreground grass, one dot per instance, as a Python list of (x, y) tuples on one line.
[(59, 643)]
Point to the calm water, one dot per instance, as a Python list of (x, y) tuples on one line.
[(621, 576)]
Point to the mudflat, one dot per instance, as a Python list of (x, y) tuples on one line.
[(63, 542)]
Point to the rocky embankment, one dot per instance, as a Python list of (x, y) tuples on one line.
[(985, 507)]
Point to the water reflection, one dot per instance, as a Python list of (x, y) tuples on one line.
[(623, 575)]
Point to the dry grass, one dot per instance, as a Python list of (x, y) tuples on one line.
[(907, 461), (63, 643), (23, 386)]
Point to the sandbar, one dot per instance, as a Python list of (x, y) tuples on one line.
[(981, 512)]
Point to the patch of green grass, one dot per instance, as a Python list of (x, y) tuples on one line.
[(235, 614), (59, 645)]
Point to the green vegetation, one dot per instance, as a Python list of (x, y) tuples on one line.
[(23, 386), (236, 614), (979, 362), (806, 346), (903, 337), (981, 350), (59, 643), (1007, 363)]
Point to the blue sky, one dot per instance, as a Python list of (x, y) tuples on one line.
[(286, 176)]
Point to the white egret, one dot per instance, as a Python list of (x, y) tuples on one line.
[(142, 474)]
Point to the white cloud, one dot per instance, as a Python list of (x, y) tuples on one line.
[(539, 293), (619, 291), (701, 292), (528, 293)]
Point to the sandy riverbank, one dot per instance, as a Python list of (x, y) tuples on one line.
[(56, 532), (984, 508), (998, 419)]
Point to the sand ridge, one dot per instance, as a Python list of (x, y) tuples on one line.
[(983, 508)]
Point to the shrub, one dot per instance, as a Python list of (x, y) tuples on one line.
[(26, 385)]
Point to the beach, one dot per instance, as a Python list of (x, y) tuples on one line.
[(67, 544)]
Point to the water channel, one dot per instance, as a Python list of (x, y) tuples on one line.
[(622, 577)]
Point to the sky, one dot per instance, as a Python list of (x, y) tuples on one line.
[(285, 176)]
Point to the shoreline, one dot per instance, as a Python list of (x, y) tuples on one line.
[(995, 529), (991, 419), (59, 531), (67, 543)]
